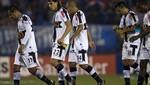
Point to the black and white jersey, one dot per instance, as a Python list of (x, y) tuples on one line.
[(129, 20), (25, 26), (59, 19), (82, 39)]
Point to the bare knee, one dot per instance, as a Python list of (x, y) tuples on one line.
[(54, 62), (72, 64), (84, 66), (32, 70), (16, 68), (128, 62)]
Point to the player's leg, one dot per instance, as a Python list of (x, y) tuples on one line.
[(17, 65), (58, 55), (83, 63), (61, 80), (41, 76), (17, 75), (126, 74), (92, 72), (73, 71), (72, 64), (142, 73), (30, 60)]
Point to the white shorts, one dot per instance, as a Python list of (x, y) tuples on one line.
[(144, 53), (78, 56), (130, 50), (29, 59), (58, 52)]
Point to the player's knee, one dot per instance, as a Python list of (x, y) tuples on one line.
[(17, 68), (84, 66), (72, 64), (32, 70), (54, 62), (128, 62)]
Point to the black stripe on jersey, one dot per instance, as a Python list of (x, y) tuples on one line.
[(54, 35), (85, 26), (24, 18), (66, 13), (133, 15), (79, 16)]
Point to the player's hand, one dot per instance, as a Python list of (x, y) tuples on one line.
[(119, 31), (20, 35), (132, 39), (59, 41), (115, 27), (92, 45), (21, 48)]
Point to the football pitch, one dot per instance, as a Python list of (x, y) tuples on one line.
[(81, 80)]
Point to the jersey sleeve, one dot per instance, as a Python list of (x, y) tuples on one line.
[(28, 30), (133, 18), (64, 15), (81, 18)]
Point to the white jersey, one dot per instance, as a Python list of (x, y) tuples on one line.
[(129, 20), (25, 26), (146, 21), (59, 19), (81, 41)]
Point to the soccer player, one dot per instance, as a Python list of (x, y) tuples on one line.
[(79, 43), (145, 46), (26, 54), (128, 27), (62, 28)]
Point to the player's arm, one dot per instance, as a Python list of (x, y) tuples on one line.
[(142, 34), (27, 35), (76, 33), (91, 43), (65, 17), (131, 29), (68, 29)]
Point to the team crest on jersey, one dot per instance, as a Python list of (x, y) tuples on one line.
[(62, 13), (130, 17), (76, 18)]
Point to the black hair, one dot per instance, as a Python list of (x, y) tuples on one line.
[(120, 4), (13, 8), (58, 1)]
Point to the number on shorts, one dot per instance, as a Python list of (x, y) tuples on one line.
[(31, 59), (56, 52), (134, 47)]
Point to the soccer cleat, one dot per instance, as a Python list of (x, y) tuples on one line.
[(101, 83), (52, 82), (70, 82)]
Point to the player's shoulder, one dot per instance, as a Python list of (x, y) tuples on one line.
[(25, 17), (132, 13), (80, 12)]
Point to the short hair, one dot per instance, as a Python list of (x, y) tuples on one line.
[(58, 1), (13, 8), (120, 4)]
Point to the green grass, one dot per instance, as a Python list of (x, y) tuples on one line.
[(81, 80)]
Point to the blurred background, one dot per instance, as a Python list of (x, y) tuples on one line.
[(101, 16)]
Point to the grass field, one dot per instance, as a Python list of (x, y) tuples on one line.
[(81, 80)]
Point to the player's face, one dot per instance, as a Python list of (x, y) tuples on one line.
[(52, 5), (69, 9), (142, 8), (120, 10)]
